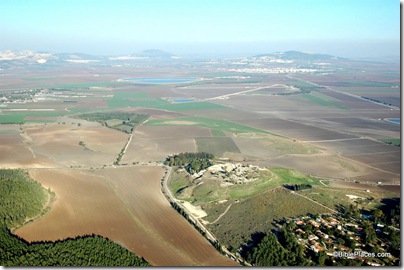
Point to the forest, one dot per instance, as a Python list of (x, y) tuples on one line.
[(24, 198), (192, 162)]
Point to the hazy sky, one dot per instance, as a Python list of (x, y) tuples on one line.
[(350, 28)]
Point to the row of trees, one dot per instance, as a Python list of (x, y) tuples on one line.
[(298, 187), (192, 162), (21, 197)]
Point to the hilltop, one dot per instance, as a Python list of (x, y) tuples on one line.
[(297, 55)]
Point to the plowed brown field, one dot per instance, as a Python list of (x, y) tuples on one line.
[(61, 143), (124, 204)]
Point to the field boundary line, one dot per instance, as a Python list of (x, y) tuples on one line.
[(237, 93), (307, 198)]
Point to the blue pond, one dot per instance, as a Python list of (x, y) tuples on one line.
[(182, 100), (394, 120), (160, 80)]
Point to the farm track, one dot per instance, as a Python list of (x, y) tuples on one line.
[(127, 144), (122, 153), (334, 140), (237, 93), (221, 215), (372, 153)]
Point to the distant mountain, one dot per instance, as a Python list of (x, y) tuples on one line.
[(18, 58), (296, 55), (27, 56), (145, 55), (78, 56), (10, 59), (154, 54)]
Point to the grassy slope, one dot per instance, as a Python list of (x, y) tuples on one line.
[(257, 214)]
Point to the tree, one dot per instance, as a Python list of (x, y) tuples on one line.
[(377, 214), (321, 258), (340, 241), (369, 234)]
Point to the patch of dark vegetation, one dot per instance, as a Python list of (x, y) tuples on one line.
[(268, 251), (122, 121), (192, 162), (376, 100), (298, 187)]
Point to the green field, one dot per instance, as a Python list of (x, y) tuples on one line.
[(332, 197), (302, 84), (364, 90), (84, 85), (19, 117), (286, 147), (215, 124), (216, 145), (141, 99), (267, 181), (365, 83), (396, 142), (12, 118), (217, 132), (323, 102)]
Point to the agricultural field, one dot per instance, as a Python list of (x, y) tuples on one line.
[(329, 130), (136, 206), (69, 144), (216, 145)]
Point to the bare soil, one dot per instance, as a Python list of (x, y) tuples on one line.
[(61, 143), (125, 205)]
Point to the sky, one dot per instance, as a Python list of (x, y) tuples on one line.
[(346, 28)]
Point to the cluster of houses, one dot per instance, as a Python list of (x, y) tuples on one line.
[(322, 233), (20, 96)]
